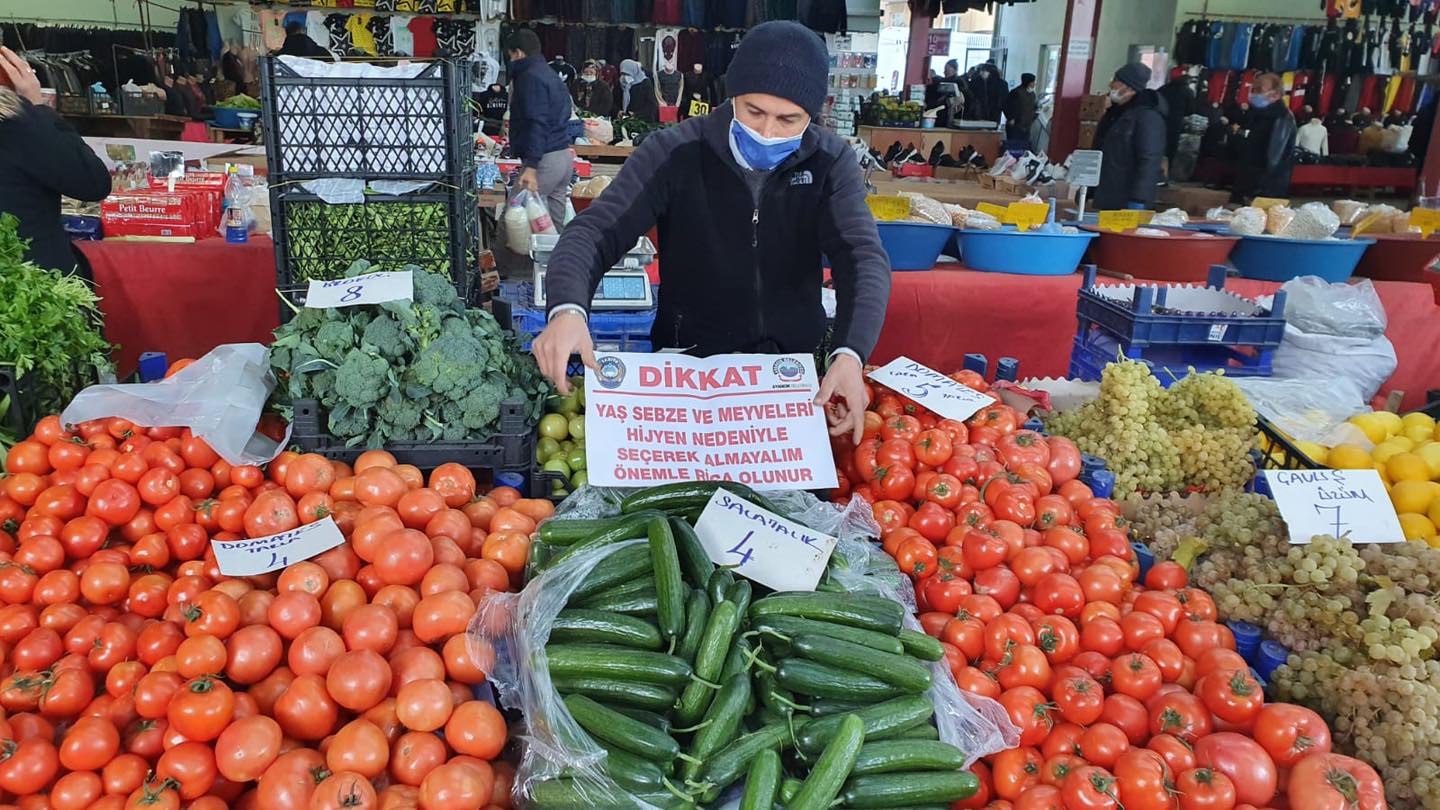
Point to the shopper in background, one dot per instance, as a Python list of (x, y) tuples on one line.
[(540, 109), (42, 158), (592, 95), (1269, 153), (1132, 136), (747, 199), (1020, 108), (299, 43), (637, 93)]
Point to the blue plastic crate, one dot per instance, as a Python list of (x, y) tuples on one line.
[(1094, 351), (1137, 324), (613, 331)]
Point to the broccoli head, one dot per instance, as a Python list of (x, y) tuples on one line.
[(385, 335), (453, 362), (435, 290), (349, 423), (480, 406), (360, 379), (333, 340), (398, 416)]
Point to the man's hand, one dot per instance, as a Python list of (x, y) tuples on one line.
[(846, 380), (566, 334), (27, 86), (529, 180)]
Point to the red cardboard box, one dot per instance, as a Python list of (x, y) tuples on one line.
[(139, 213), (209, 184)]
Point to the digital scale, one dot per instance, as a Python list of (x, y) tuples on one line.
[(624, 286)]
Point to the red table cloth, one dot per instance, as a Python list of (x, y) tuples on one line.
[(184, 298), (938, 316)]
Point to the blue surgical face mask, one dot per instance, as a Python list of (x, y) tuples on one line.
[(1259, 102), (757, 151)]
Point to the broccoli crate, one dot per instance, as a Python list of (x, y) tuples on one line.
[(511, 448), (433, 230), (413, 124)]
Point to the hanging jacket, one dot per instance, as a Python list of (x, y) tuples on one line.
[(41, 158), (1132, 137), (740, 269)]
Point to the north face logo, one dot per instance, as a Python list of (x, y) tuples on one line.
[(801, 178)]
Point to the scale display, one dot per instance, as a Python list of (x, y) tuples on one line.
[(619, 289)]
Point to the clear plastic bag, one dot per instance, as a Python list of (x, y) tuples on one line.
[(517, 627), (1310, 410), (219, 397), (1348, 310)]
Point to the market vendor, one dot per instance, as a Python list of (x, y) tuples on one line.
[(751, 201)]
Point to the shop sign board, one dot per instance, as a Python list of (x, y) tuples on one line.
[(371, 288), (778, 553), (1085, 167), (937, 43), (930, 388), (664, 418), (1340, 503), (261, 555), (1079, 49)]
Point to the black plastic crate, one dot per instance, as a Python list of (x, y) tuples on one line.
[(1283, 454), (135, 102), (405, 129), (16, 419), (512, 448), (434, 230), (542, 484)]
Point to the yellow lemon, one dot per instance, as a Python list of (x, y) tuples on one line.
[(1385, 450), (1402, 442), (1384, 476), (1391, 421), (1371, 425), (1416, 527), (1434, 511), (1431, 453), (1433, 542), (1316, 453), (1412, 496), (1419, 434), (1418, 419), (1349, 457), (1407, 467)]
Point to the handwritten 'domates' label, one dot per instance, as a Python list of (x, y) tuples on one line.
[(1340, 503), (261, 555), (777, 553), (930, 388)]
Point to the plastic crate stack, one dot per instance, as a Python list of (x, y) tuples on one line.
[(416, 131), (1172, 329)]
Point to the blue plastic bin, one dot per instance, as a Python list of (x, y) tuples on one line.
[(229, 117), (1093, 351), (1138, 324), (1271, 258), (1026, 254), (913, 245)]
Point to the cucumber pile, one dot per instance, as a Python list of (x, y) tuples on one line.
[(692, 679)]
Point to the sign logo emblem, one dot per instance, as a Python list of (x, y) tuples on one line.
[(789, 370), (612, 372)]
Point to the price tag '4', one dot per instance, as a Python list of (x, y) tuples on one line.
[(371, 288), (932, 389), (778, 553), (261, 555)]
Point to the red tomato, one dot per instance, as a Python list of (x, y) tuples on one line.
[(1144, 781), (1030, 713), (1244, 761), (1080, 699), (1015, 771), (1090, 788), (1181, 714), (1135, 675), (1289, 733), (1232, 695), (1335, 782), (1102, 744), (1205, 789)]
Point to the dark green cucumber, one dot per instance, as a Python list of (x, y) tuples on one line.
[(687, 495), (626, 565), (669, 586), (649, 718), (697, 615), (563, 532), (568, 794), (888, 790), (580, 626), (718, 586), (630, 527), (649, 696), (695, 698), (831, 770), (632, 772), (821, 707), (540, 553), (788, 789), (762, 782), (900, 671), (639, 585), (721, 723), (737, 660), (639, 604), (919, 731), (919, 645), (618, 663), (866, 612), (890, 756), (882, 721), (693, 560), (791, 626), (772, 696), (722, 769), (821, 680), (715, 643), (626, 733), (739, 593)]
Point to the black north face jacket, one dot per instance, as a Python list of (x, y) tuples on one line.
[(736, 277)]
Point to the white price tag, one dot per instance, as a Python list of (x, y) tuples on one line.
[(932, 389), (780, 554), (371, 288), (1085, 167), (1217, 332), (261, 555), (1340, 503)]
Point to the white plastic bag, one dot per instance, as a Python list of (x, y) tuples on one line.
[(1350, 310), (537, 213), (1309, 410), (1354, 366), (1248, 221), (219, 397), (517, 226)]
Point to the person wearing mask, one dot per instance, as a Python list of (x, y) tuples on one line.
[(637, 93), (41, 158), (1020, 108), (748, 200), (299, 43), (1269, 154), (592, 95), (950, 90), (1132, 136), (539, 123)]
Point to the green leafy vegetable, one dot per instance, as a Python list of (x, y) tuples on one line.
[(240, 101)]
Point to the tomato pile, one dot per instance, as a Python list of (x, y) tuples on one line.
[(1126, 693), (136, 675)]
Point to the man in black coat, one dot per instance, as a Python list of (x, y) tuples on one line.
[(299, 43), (1020, 107), (1268, 157), (41, 158), (1132, 136), (540, 109), (748, 200)]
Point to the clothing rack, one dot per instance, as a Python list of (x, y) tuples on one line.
[(1257, 18)]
